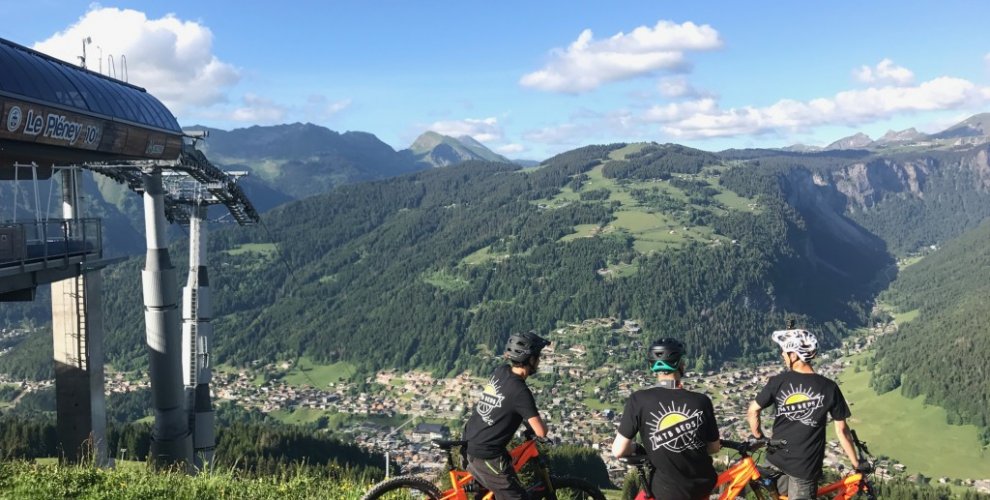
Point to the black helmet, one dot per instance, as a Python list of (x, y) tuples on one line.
[(521, 346), (665, 355)]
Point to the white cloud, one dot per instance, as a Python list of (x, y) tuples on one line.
[(482, 130), (587, 63), (677, 87), (885, 72), (173, 59), (986, 59), (510, 149), (319, 108), (259, 111), (703, 119), (679, 110), (566, 133)]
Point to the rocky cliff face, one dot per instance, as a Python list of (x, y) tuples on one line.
[(865, 184)]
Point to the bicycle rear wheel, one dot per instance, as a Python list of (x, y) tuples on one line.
[(403, 488), (571, 488)]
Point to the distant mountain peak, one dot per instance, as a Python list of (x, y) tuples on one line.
[(906, 135), (858, 140), (802, 148), (976, 125), (441, 150)]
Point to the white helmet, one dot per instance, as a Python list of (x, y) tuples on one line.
[(800, 342)]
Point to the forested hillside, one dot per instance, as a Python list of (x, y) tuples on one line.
[(302, 159), (941, 355), (434, 268)]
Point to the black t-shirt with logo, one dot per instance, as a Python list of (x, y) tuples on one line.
[(803, 403), (675, 426), (505, 402)]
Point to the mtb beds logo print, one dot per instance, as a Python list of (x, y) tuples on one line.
[(799, 405), (676, 429), (491, 399)]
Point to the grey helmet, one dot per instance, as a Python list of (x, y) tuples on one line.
[(665, 355), (522, 346)]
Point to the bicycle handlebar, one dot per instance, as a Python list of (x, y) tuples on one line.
[(753, 444)]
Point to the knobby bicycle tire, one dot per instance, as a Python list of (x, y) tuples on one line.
[(403, 488), (571, 488)]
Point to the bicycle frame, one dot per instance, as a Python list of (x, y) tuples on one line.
[(521, 455), (847, 487), (737, 477)]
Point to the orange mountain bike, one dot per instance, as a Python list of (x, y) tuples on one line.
[(763, 480), (464, 486)]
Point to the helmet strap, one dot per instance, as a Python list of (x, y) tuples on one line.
[(667, 383)]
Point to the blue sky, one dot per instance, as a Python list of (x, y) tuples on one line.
[(531, 79)]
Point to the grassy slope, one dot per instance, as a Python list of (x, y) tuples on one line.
[(650, 230), (22, 480), (307, 372), (912, 432)]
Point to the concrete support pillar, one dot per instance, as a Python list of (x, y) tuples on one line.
[(197, 339), (171, 443), (77, 335), (77, 338)]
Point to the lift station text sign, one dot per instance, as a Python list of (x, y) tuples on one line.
[(34, 123)]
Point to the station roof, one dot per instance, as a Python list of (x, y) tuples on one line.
[(31, 75)]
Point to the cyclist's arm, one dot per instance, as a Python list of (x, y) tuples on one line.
[(753, 417), (713, 447), (622, 446), (539, 428), (845, 439)]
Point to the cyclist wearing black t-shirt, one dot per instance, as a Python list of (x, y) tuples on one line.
[(804, 400), (505, 402), (677, 427)]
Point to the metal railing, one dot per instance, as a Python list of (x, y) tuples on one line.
[(23, 243)]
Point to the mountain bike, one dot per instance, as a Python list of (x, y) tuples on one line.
[(744, 472), (465, 487), (763, 480)]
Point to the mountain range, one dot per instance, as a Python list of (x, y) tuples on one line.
[(973, 130), (431, 267)]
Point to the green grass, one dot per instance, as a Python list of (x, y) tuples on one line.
[(263, 249), (24, 480), (912, 432), (620, 154), (483, 255), (298, 416), (732, 201), (650, 230), (581, 231), (307, 372), (594, 404), (446, 281), (908, 261), (903, 317)]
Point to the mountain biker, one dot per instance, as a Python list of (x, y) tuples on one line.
[(505, 403), (676, 425), (803, 400)]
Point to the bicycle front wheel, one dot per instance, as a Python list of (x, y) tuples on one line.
[(403, 488), (572, 488)]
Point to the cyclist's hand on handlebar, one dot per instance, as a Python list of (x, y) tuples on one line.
[(864, 467)]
